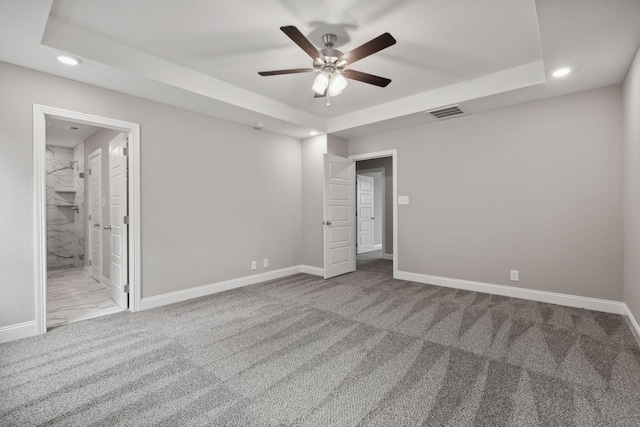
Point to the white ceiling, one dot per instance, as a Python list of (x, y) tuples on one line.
[(204, 55), (61, 133)]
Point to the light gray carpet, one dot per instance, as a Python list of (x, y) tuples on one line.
[(359, 349)]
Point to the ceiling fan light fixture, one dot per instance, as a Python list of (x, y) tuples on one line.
[(337, 84), (320, 83)]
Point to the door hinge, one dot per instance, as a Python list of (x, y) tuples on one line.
[(126, 288), (90, 263), (88, 171), (125, 151), (126, 219), (89, 217)]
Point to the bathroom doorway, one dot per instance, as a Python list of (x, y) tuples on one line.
[(77, 287), (88, 249)]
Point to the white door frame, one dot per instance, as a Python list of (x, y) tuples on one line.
[(394, 163), (40, 232)]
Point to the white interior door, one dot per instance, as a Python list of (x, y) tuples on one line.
[(339, 216), (94, 197), (365, 214), (118, 229)]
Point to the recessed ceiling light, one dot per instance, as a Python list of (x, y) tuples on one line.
[(69, 60), (561, 72), (313, 133)]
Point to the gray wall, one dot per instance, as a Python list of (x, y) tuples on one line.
[(386, 164), (100, 140), (215, 195), (336, 145), (632, 188), (313, 150), (535, 187)]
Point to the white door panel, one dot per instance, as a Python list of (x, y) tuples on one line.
[(95, 211), (118, 229), (365, 214), (339, 216)]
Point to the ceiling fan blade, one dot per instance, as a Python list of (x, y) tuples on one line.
[(299, 39), (366, 78), (291, 71), (383, 41)]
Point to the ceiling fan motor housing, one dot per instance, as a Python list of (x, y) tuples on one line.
[(329, 55)]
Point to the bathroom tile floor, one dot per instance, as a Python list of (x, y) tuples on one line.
[(73, 296)]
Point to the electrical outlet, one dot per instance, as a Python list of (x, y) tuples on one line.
[(265, 262), (254, 265), (515, 276)]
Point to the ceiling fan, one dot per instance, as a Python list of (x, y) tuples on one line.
[(331, 63)]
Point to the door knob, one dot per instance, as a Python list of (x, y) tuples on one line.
[(326, 222), (107, 227), (96, 224)]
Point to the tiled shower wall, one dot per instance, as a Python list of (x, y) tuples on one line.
[(65, 207)]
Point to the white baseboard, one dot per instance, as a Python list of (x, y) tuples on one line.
[(632, 322), (28, 329), (606, 306), (377, 247), (200, 291), (316, 271), (387, 256), (18, 331)]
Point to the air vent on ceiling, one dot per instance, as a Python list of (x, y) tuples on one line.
[(446, 112), (72, 128)]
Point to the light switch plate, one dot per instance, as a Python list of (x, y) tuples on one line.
[(403, 200)]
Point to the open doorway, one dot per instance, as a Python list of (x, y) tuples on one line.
[(374, 219), (80, 192), (86, 180), (339, 213)]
